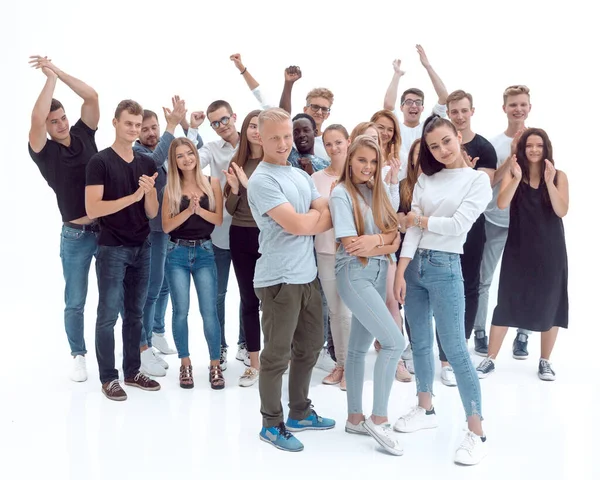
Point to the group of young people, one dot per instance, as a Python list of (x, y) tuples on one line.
[(331, 235)]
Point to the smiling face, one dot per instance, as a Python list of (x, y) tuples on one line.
[(322, 106), (222, 115), (185, 158), (460, 113), (150, 133), (517, 108), (444, 145), (128, 126), (252, 131), (336, 146), (386, 129), (412, 108), (363, 164), (534, 149), (415, 158), (276, 140), (57, 125), (304, 136)]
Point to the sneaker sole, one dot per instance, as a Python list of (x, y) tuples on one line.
[(330, 383), (384, 445), (356, 432), (248, 384), (148, 389), (279, 447), (115, 399), (448, 384), (546, 379), (520, 357), (481, 354), (302, 429), (485, 375), (427, 427)]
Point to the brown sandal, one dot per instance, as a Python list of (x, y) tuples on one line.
[(215, 377), (186, 379)]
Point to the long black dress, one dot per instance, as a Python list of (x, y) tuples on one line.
[(533, 279)]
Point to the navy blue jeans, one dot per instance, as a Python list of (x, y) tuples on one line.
[(77, 247), (158, 289), (123, 274)]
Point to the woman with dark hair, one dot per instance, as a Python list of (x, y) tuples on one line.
[(192, 206), (532, 292), (243, 239), (366, 228), (447, 200)]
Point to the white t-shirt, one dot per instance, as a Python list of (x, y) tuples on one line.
[(452, 199), (493, 214), (410, 134)]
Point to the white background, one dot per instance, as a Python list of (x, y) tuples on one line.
[(151, 50)]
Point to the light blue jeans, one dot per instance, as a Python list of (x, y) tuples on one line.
[(363, 291), (434, 286), (184, 263)]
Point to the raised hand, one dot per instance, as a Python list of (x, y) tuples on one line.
[(515, 141), (549, 172), (306, 165), (395, 166), (197, 118), (396, 64), (241, 175), (45, 64), (515, 169), (471, 162), (196, 201), (232, 180), (191, 208), (147, 183), (423, 56), (236, 58), (292, 73)]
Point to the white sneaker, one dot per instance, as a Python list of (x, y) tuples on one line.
[(471, 450), (356, 429), (384, 436), (161, 361), (223, 359), (79, 371), (242, 352), (416, 419), (149, 365), (407, 353), (249, 377), (448, 377), (325, 362), (159, 341)]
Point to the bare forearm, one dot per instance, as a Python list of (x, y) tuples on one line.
[(211, 217), (151, 203), (391, 95), (171, 223), (507, 193), (500, 172), (402, 264), (559, 204), (250, 81), (41, 108), (286, 97), (80, 88), (324, 223), (438, 85), (102, 208)]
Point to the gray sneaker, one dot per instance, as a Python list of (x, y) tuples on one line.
[(520, 347), (486, 368), (545, 371)]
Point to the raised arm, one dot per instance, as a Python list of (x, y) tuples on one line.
[(391, 94), (438, 85), (41, 109), (90, 110), (291, 74), (236, 58)]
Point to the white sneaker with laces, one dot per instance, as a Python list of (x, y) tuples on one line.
[(384, 435), (79, 371), (223, 359), (416, 419), (249, 377), (242, 352), (448, 377), (159, 341), (325, 362), (407, 353), (356, 429), (471, 450), (149, 365), (161, 361)]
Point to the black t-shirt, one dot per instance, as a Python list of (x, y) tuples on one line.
[(195, 227), (480, 147), (128, 227), (64, 169)]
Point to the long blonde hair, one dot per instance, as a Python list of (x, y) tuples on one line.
[(383, 214), (175, 178)]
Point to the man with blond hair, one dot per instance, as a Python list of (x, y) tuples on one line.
[(288, 211), (516, 107)]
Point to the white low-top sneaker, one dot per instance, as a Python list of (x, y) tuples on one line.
[(159, 341), (384, 435), (448, 377), (416, 419), (356, 429), (471, 450), (149, 365), (161, 361), (249, 378), (79, 371), (325, 362)]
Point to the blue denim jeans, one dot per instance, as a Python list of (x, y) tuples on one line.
[(435, 286), (363, 291), (77, 247), (198, 263), (223, 262), (123, 274), (158, 289)]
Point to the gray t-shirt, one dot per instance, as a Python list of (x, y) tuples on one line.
[(285, 258), (340, 205)]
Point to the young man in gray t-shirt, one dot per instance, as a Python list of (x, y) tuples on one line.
[(288, 211)]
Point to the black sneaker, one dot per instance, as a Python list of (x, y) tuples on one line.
[(545, 371), (486, 368), (223, 359), (481, 343), (520, 347)]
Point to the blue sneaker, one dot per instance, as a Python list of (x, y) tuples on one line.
[(312, 422), (281, 438)]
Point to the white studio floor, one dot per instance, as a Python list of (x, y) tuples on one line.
[(52, 426)]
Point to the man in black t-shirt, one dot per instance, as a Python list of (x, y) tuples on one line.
[(481, 156), (117, 180), (62, 160)]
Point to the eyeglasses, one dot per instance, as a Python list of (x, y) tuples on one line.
[(217, 123), (315, 108), (410, 103)]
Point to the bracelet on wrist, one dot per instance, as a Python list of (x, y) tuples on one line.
[(243, 71)]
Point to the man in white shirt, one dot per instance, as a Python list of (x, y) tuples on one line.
[(412, 104), (517, 107)]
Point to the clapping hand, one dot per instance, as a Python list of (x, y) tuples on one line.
[(549, 172), (515, 169)]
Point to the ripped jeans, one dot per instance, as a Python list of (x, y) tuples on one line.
[(434, 286)]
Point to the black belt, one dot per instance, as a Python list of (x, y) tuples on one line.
[(189, 243), (92, 227)]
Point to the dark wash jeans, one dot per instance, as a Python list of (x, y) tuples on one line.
[(123, 274)]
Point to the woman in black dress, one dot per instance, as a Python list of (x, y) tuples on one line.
[(533, 280)]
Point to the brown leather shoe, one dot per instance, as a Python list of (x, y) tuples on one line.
[(142, 381), (113, 391)]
